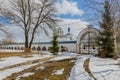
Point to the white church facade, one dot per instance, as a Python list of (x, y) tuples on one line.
[(85, 42)]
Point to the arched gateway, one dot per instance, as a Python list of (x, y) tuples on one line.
[(86, 41)]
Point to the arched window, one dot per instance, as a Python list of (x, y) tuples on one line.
[(84, 47), (15, 48), (38, 48), (11, 47), (64, 49), (33, 48), (22, 48), (7, 47), (44, 49)]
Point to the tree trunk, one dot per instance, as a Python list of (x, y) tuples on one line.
[(26, 49), (115, 42)]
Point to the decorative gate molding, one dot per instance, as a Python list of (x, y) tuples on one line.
[(86, 41)]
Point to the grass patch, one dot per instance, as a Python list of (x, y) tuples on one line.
[(86, 66), (26, 56), (50, 67), (10, 54)]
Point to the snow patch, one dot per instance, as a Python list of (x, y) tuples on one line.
[(8, 72), (104, 69), (73, 61), (62, 56), (5, 50), (17, 60), (78, 72), (24, 75), (58, 72), (67, 54), (41, 67), (46, 78)]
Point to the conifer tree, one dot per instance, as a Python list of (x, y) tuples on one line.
[(55, 47), (106, 35)]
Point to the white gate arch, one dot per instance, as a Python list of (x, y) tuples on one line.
[(88, 30)]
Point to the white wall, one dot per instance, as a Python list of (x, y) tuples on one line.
[(70, 46)]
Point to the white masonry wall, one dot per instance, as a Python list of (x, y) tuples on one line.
[(71, 47)]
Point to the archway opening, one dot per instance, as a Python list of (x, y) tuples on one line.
[(86, 41), (44, 49)]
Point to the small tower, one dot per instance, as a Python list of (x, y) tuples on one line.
[(59, 32), (69, 35), (68, 29)]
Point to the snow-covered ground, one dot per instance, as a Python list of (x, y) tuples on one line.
[(58, 72), (65, 55), (17, 59), (78, 72), (24, 75), (42, 67), (6, 50), (105, 69), (8, 72), (102, 69)]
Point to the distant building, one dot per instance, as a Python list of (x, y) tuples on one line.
[(84, 43), (65, 37), (60, 32)]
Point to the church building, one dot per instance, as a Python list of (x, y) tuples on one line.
[(84, 43)]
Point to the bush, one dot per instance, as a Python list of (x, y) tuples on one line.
[(102, 53)]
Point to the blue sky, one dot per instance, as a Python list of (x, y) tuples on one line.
[(67, 9), (4, 20), (70, 11), (79, 9), (79, 5)]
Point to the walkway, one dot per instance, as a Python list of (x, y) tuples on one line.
[(98, 69)]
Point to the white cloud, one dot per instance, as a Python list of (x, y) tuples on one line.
[(17, 32), (68, 7), (65, 7), (76, 25)]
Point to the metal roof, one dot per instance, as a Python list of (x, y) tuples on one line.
[(61, 42)]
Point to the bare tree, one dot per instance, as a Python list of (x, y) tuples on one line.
[(29, 15), (93, 11), (9, 38), (3, 29), (95, 7)]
